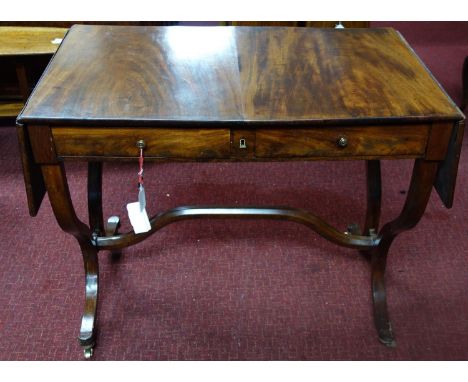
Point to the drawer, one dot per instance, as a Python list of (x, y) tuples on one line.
[(159, 143), (326, 141)]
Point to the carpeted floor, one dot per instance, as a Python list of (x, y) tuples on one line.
[(233, 289)]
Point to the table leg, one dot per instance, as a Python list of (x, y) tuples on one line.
[(374, 196), (465, 84), (95, 214), (87, 337), (422, 180), (96, 221), (59, 196)]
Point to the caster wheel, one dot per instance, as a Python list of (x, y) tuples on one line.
[(88, 353)]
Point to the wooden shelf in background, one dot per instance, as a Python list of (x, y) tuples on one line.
[(311, 24), (9, 109), (16, 41)]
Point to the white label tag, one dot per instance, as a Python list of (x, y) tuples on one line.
[(138, 218), (141, 197)]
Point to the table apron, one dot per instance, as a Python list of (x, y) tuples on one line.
[(224, 144)]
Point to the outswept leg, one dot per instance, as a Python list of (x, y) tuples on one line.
[(87, 337), (59, 195), (424, 173)]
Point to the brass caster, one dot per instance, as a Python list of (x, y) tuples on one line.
[(88, 353), (389, 343), (386, 337), (353, 229)]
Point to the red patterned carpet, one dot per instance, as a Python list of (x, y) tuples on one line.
[(236, 289)]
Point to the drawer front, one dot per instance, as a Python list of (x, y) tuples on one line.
[(159, 143), (342, 142)]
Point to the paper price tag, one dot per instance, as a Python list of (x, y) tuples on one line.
[(138, 218), (141, 197)]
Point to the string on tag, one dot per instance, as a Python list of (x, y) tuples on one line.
[(141, 188), (140, 173), (137, 210)]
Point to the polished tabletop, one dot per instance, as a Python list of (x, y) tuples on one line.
[(109, 75)]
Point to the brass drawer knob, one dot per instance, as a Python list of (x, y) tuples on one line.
[(342, 142), (141, 144)]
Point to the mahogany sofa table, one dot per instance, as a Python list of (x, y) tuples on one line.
[(237, 94)]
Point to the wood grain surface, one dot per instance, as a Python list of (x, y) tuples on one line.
[(235, 75), (330, 74), (9, 109), (159, 143), (361, 141), (141, 73)]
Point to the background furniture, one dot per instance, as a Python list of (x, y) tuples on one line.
[(24, 54), (312, 24)]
